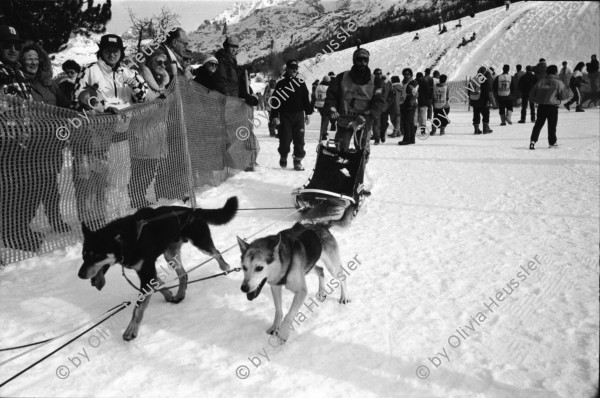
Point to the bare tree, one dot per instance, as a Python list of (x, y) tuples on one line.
[(151, 27), (164, 21), (139, 27)]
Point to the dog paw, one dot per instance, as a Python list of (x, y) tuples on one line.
[(177, 299), (321, 296), (272, 329), (130, 333), (344, 300), (282, 333), (225, 267)]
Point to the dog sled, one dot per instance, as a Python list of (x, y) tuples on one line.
[(335, 190)]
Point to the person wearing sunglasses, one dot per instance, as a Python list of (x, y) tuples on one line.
[(353, 97), (46, 149), (176, 48), (16, 183), (118, 85), (205, 74), (12, 81), (148, 146)]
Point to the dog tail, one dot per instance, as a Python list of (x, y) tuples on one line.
[(220, 216)]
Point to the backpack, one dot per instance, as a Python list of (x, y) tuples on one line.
[(474, 89)]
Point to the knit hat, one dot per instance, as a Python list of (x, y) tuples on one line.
[(208, 58), (326, 79), (231, 41), (360, 52)]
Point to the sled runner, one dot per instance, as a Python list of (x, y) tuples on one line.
[(336, 184)]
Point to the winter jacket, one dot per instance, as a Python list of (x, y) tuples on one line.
[(396, 93), (431, 84), (515, 83), (549, 91), (385, 91), (228, 75), (12, 81), (111, 84), (565, 75), (526, 83), (291, 96), (150, 142), (207, 79), (576, 80), (50, 95), (482, 82), (334, 100), (540, 70), (409, 95), (593, 66), (425, 93)]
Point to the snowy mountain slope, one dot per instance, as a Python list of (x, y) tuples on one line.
[(450, 223), (285, 23), (556, 31)]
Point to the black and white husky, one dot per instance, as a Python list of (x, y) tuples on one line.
[(136, 241)]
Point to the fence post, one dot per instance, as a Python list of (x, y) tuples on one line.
[(185, 142)]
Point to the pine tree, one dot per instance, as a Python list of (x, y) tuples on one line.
[(54, 21)]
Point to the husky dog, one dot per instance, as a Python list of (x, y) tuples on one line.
[(137, 240), (284, 260)]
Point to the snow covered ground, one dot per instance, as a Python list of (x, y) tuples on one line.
[(452, 221)]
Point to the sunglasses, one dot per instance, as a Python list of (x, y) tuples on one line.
[(160, 63), (6, 45)]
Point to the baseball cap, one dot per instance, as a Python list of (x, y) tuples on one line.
[(111, 40), (292, 63), (9, 33)]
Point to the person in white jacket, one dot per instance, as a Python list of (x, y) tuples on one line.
[(104, 86), (118, 85)]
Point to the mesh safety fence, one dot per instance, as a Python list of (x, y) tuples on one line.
[(60, 168)]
